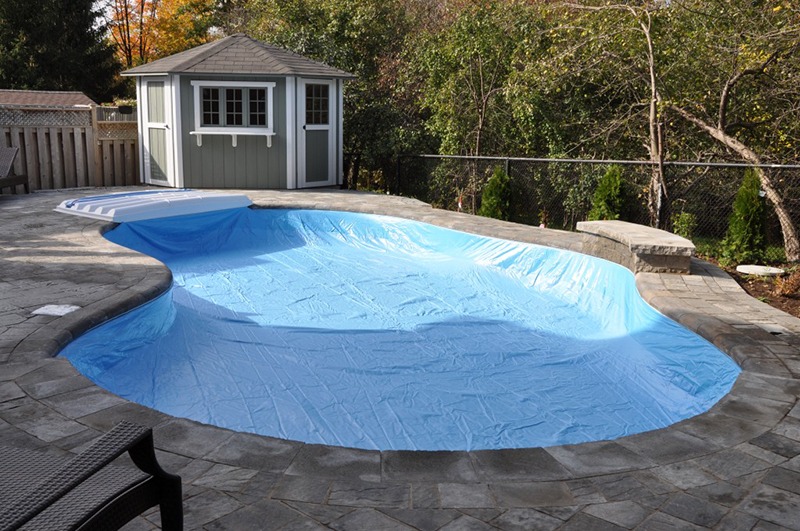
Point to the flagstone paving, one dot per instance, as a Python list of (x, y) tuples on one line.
[(734, 467)]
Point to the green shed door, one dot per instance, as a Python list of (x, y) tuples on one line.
[(317, 136)]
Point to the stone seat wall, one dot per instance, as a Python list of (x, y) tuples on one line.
[(637, 247)]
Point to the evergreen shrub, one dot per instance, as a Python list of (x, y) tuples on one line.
[(610, 196), (683, 224), (744, 241), (496, 197)]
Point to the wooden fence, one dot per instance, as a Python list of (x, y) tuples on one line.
[(68, 147)]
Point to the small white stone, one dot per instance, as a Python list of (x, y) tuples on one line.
[(56, 310), (763, 271)]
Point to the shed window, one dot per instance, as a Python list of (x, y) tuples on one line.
[(233, 108), (210, 106), (316, 104), (258, 107)]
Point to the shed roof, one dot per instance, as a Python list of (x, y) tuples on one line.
[(44, 98), (238, 54)]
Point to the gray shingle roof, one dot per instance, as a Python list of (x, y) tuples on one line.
[(238, 54), (43, 98)]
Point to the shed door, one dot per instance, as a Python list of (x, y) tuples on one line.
[(317, 136), (155, 134)]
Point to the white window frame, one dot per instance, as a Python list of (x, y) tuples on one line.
[(233, 131)]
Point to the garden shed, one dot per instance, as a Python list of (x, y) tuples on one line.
[(239, 113)]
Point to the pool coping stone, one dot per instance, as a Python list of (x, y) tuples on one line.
[(743, 451)]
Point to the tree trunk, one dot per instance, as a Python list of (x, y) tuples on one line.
[(791, 240), (655, 197), (658, 188), (353, 171)]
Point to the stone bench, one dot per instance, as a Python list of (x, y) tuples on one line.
[(637, 247)]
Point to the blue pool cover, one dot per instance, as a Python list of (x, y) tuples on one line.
[(380, 333)]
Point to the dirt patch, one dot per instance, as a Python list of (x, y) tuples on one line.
[(764, 289)]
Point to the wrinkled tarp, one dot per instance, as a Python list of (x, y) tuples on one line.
[(379, 333)]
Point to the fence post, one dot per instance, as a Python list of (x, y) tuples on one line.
[(98, 161)]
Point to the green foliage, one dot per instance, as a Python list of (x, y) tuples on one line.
[(577, 187), (542, 79), (707, 247), (557, 195), (363, 37), (496, 197), (56, 45), (683, 224), (582, 84), (444, 186), (712, 249), (744, 241), (753, 43), (610, 196), (463, 71)]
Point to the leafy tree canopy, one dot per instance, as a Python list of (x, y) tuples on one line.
[(363, 37), (56, 45), (181, 25), (464, 70), (742, 72), (143, 30)]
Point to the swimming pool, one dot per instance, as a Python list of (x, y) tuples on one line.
[(380, 333)]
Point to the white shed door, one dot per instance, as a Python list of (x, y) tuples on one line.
[(156, 136), (316, 114)]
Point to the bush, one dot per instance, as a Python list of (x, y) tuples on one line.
[(610, 196), (744, 241), (683, 224), (496, 197)]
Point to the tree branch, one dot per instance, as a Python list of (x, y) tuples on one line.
[(718, 134), (724, 98)]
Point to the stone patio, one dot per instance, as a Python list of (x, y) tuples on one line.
[(734, 467)]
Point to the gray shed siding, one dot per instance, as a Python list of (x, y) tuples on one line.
[(217, 164)]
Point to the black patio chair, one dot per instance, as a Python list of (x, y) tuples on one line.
[(7, 177), (43, 492)]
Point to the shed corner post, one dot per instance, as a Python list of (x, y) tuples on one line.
[(340, 131), (140, 128), (291, 132), (177, 129)]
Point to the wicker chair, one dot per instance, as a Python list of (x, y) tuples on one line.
[(42, 492), (7, 179)]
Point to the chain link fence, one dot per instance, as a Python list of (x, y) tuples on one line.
[(558, 193)]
